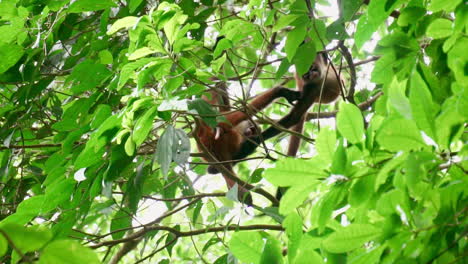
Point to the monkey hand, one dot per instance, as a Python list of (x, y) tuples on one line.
[(290, 95)]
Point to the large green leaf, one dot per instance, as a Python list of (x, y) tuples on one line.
[(90, 5), (295, 38), (143, 126), (290, 172), (293, 225), (67, 251), (350, 123), (440, 28), (121, 220), (400, 134), (164, 149), (247, 246), (26, 239), (10, 54), (272, 252), (350, 237)]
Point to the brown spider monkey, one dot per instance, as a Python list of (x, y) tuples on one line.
[(228, 140), (320, 84), (224, 141)]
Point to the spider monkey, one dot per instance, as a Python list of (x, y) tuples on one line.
[(225, 140), (319, 84), (318, 73)]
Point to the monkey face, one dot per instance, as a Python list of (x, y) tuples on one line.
[(317, 71), (247, 129), (313, 75)]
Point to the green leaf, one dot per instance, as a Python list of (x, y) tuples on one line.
[(95, 145), (171, 28), (384, 172), (284, 21), (350, 9), (218, 63), (440, 28), (130, 146), (105, 57), (133, 5), (350, 237), (272, 253), (90, 5), (306, 50), (26, 239), (443, 5), (221, 46), (205, 110), (140, 53), (398, 100), (181, 147), (101, 113), (121, 220), (293, 225), (294, 39), (58, 193), (367, 256), (390, 201), (282, 69), (306, 253), (398, 134), (143, 126), (325, 143), (410, 14), (290, 172), (422, 105), (126, 22), (87, 76), (10, 54), (361, 191), (247, 246), (294, 197), (377, 12), (26, 211), (340, 160), (3, 246), (324, 209), (128, 70), (164, 149), (383, 70), (350, 122), (67, 251), (457, 58)]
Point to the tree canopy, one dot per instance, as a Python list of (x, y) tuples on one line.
[(98, 102)]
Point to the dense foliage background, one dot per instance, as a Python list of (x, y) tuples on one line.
[(98, 163)]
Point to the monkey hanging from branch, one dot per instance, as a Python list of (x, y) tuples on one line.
[(238, 137)]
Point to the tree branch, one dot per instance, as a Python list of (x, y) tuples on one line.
[(178, 233)]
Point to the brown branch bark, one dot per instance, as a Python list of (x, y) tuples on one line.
[(31, 146), (178, 233)]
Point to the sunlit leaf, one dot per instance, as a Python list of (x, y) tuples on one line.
[(350, 237), (164, 149), (10, 54), (350, 123), (121, 220), (247, 246), (67, 251), (271, 253), (26, 239), (400, 134), (90, 5), (440, 28), (290, 172)]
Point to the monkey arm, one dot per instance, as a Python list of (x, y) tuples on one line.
[(262, 101), (296, 114)]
